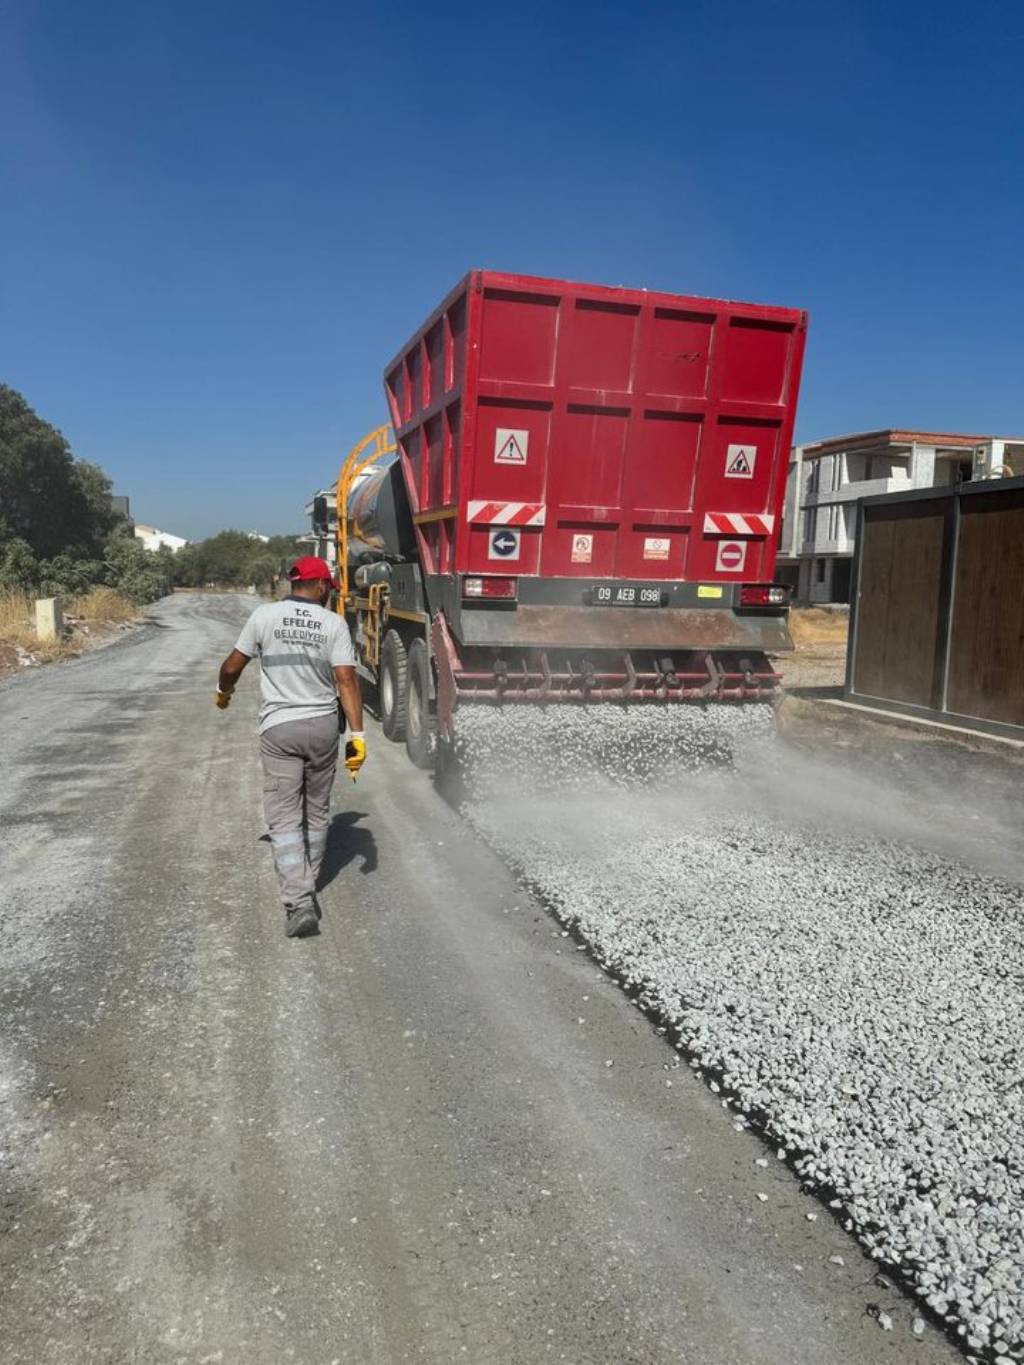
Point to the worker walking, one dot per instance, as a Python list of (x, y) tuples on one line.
[(306, 664)]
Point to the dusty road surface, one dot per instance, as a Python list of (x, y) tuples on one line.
[(434, 1133)]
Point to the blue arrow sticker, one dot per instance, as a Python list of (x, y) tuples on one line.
[(504, 544)]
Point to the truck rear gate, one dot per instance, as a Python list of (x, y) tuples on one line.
[(578, 432)]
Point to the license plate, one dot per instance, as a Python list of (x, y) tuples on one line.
[(627, 595)]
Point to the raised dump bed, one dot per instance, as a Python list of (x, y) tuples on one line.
[(593, 483)]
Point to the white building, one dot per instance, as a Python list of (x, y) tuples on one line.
[(827, 478), (153, 539)]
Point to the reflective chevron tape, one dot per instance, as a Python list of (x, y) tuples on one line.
[(507, 513), (737, 524)]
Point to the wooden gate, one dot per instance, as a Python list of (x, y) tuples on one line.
[(937, 612)]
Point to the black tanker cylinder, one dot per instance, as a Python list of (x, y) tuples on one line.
[(379, 520)]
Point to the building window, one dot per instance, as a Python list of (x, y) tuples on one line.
[(833, 522), (820, 566), (810, 523), (813, 476)]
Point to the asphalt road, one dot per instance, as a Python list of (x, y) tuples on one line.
[(435, 1133)]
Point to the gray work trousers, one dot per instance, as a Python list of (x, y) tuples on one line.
[(299, 758)]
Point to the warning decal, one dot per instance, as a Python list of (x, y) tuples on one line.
[(657, 547), (510, 446), (731, 556), (582, 549), (740, 462)]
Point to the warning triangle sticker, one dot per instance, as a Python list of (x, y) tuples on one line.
[(510, 447), (739, 462)]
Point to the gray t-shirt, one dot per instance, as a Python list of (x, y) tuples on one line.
[(299, 645)]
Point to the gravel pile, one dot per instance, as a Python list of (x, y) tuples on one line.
[(858, 997)]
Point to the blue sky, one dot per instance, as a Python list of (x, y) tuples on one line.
[(217, 221)]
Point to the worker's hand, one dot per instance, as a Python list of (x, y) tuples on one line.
[(223, 699), (355, 752)]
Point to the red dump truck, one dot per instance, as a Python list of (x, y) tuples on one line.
[(584, 505)]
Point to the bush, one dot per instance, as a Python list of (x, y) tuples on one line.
[(19, 568), (63, 576), (133, 570)]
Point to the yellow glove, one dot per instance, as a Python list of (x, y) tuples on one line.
[(355, 753), (222, 699)]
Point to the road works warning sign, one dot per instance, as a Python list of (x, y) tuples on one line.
[(740, 462), (582, 549), (657, 547), (510, 446), (731, 556)]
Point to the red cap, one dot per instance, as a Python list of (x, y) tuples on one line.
[(310, 569)]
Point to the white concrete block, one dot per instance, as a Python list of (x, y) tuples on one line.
[(49, 618)]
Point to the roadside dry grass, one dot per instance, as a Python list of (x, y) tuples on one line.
[(89, 615), (18, 630), (102, 605)]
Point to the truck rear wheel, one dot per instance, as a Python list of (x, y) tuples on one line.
[(420, 721), (394, 683)]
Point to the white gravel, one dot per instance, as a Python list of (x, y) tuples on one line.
[(858, 995)]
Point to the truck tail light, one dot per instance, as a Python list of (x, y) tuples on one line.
[(495, 589), (764, 595)]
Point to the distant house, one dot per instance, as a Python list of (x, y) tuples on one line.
[(828, 478), (153, 539)]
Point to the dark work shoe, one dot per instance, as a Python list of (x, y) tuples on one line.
[(301, 921)]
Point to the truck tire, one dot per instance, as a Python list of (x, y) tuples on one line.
[(420, 721), (394, 684)]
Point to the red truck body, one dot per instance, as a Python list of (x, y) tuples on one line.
[(586, 507), (569, 431)]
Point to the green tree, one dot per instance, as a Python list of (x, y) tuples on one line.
[(53, 502), (187, 569), (223, 557), (262, 570), (234, 559)]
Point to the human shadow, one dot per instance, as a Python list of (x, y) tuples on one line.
[(346, 841)]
